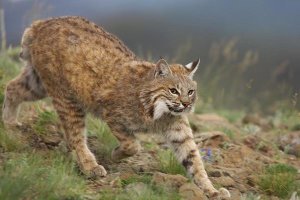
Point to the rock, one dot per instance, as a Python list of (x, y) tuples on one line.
[(257, 143), (295, 196), (52, 140), (190, 191), (209, 122), (211, 138), (241, 187), (225, 181), (168, 180), (251, 141), (290, 143), (257, 120)]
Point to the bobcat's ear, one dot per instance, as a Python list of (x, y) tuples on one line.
[(192, 67), (162, 69)]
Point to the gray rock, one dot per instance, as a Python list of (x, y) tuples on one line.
[(168, 180), (190, 191)]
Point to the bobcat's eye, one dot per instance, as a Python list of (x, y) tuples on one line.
[(174, 91), (191, 92)]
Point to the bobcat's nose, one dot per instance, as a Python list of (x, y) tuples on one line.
[(185, 104)]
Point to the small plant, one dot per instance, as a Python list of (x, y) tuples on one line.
[(229, 133), (279, 180), (141, 191), (7, 141), (45, 117), (288, 117), (136, 178), (251, 129), (250, 196), (106, 139), (169, 164), (231, 115)]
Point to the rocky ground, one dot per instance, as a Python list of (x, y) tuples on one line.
[(236, 156)]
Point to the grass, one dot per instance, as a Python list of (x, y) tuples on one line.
[(33, 176), (139, 187), (250, 196), (279, 180), (101, 131), (169, 164), (147, 192), (136, 178), (231, 115), (230, 133), (8, 141), (45, 117), (288, 117)]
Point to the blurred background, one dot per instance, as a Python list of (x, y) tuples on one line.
[(249, 50)]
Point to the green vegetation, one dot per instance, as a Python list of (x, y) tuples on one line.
[(250, 196), (145, 193), (8, 141), (279, 180), (231, 115), (45, 117), (136, 178), (230, 133), (288, 117), (107, 142), (140, 188), (169, 164), (33, 176)]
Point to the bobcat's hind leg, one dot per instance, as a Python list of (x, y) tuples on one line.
[(128, 146), (25, 87), (72, 116)]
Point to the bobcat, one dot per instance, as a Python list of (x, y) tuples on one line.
[(85, 69)]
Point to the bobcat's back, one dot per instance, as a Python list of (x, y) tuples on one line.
[(74, 53)]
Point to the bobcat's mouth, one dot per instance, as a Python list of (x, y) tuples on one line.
[(176, 109)]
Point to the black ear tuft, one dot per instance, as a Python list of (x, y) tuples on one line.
[(162, 69), (192, 67)]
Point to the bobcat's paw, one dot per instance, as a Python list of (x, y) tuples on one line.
[(224, 193), (96, 172), (221, 194)]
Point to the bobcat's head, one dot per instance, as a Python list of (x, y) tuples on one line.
[(172, 90)]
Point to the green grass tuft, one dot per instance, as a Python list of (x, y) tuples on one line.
[(136, 178), (45, 117), (250, 196), (169, 164), (107, 141), (32, 176), (231, 115), (8, 142), (230, 133), (279, 180), (147, 192)]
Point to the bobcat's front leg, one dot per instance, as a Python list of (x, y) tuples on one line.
[(180, 136)]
